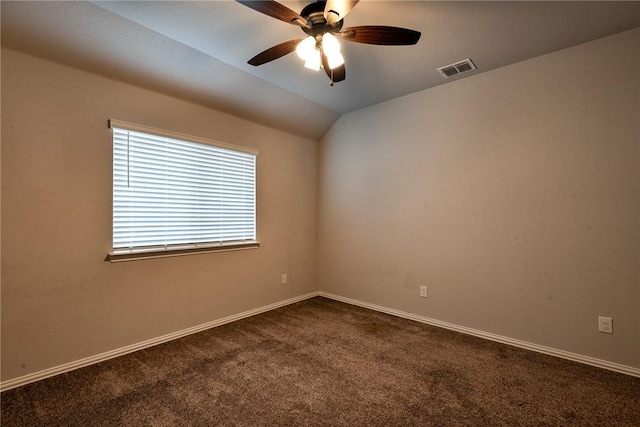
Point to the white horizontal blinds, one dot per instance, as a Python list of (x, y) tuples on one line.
[(170, 193)]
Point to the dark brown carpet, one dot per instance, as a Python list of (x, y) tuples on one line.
[(322, 362)]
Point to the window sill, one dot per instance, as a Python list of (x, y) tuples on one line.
[(140, 254)]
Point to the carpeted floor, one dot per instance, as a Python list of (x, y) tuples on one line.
[(322, 362)]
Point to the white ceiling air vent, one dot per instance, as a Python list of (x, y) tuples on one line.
[(457, 68)]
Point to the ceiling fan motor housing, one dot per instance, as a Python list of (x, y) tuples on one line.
[(317, 25)]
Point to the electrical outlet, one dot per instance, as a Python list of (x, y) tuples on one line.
[(605, 324), (283, 279), (423, 291)]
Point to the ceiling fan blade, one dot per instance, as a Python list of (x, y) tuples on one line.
[(274, 52), (381, 35), (335, 10), (276, 10), (338, 74)]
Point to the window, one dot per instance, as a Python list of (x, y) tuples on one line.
[(174, 194)]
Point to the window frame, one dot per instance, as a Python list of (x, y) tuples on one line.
[(158, 251)]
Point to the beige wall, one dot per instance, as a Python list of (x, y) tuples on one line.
[(514, 195), (61, 301)]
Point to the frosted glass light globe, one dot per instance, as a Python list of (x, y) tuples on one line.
[(306, 47)]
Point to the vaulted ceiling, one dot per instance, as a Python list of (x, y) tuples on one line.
[(199, 50)]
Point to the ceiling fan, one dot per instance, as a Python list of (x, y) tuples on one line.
[(322, 21)]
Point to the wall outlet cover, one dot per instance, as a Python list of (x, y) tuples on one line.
[(605, 324), (423, 291)]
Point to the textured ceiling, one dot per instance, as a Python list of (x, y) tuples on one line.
[(198, 50)]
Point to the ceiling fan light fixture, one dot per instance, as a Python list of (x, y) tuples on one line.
[(335, 60), (331, 48), (313, 60), (306, 47), (330, 44)]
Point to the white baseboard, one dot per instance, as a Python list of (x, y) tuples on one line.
[(629, 370), (26, 379)]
